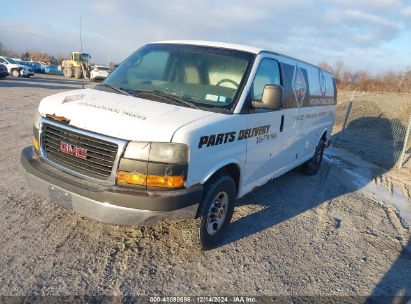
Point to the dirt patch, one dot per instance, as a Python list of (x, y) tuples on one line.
[(297, 235)]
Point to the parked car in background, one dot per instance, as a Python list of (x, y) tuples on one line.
[(13, 67), (36, 66), (52, 70), (26, 71), (99, 72), (3, 71)]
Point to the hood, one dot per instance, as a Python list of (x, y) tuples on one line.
[(13, 65), (120, 116)]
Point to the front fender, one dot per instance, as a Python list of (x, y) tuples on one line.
[(221, 165)]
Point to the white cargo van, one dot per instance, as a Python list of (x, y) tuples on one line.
[(180, 129)]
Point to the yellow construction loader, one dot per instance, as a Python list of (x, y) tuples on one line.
[(78, 66)]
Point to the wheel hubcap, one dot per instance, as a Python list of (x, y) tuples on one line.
[(217, 213)]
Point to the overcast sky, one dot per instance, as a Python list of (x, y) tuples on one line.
[(365, 34)]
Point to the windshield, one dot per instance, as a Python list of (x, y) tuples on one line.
[(204, 76), (85, 57), (11, 60)]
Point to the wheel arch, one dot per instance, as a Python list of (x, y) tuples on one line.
[(324, 136), (14, 69), (231, 168)]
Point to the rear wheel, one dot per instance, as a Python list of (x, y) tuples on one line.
[(68, 72), (77, 73), (15, 73), (217, 210), (312, 166)]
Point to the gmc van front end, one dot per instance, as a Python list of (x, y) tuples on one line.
[(108, 179)]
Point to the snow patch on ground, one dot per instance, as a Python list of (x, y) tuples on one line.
[(363, 174)]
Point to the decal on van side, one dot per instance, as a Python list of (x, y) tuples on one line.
[(216, 139), (318, 87), (223, 138), (248, 133), (299, 86), (323, 84)]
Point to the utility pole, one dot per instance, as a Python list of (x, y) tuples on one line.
[(81, 42), (81, 53)]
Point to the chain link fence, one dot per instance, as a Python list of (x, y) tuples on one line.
[(376, 126)]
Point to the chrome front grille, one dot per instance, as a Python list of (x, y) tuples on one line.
[(100, 159)]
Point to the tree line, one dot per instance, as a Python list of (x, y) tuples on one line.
[(32, 55), (361, 80)]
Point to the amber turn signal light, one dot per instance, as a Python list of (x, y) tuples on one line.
[(36, 144), (150, 180)]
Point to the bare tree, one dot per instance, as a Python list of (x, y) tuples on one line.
[(25, 56), (389, 81), (325, 66)]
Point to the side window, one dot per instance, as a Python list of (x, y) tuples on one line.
[(2, 60), (268, 72)]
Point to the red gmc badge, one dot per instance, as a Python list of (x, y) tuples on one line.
[(72, 150)]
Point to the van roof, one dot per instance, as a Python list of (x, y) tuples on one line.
[(232, 46), (224, 45)]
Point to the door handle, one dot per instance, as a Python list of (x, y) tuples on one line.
[(282, 123)]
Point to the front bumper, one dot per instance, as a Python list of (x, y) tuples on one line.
[(99, 77), (25, 73), (108, 204)]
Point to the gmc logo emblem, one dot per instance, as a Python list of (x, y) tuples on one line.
[(72, 150)]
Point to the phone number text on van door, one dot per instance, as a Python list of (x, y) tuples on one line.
[(265, 137)]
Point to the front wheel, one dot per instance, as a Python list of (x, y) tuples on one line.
[(68, 72), (15, 73), (217, 210), (77, 73), (312, 166)]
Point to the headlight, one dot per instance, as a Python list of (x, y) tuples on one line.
[(36, 121), (147, 164), (137, 150), (171, 153), (168, 153)]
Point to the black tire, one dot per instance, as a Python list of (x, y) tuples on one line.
[(218, 190), (312, 166), (77, 73), (15, 73), (68, 72)]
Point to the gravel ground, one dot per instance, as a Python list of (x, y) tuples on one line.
[(327, 235)]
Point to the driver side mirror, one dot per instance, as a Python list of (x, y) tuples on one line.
[(272, 98)]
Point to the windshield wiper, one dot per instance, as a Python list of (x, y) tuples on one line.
[(176, 98), (119, 90)]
